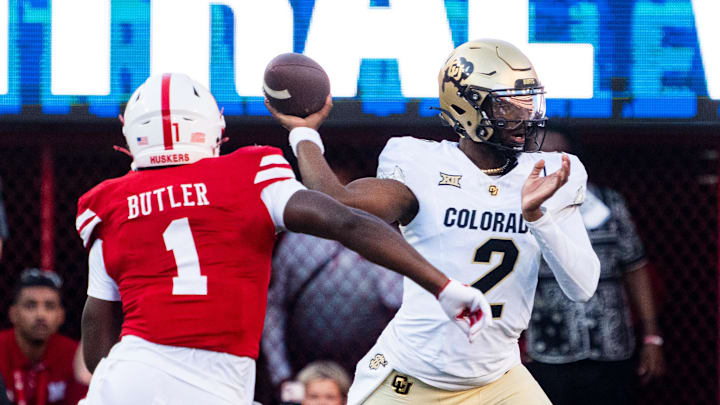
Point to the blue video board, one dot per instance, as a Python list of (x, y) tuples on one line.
[(620, 59)]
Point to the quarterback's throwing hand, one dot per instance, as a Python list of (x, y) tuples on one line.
[(314, 120), (466, 307)]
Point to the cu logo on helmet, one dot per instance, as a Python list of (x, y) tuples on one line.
[(460, 69)]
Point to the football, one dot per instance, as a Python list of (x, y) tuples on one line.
[(296, 85)]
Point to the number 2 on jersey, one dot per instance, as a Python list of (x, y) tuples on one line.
[(483, 254), (178, 238)]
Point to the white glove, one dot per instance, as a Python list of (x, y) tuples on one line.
[(466, 307)]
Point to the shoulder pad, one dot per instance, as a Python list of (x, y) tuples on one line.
[(258, 164), (272, 166), (89, 213), (255, 150), (401, 153), (408, 142)]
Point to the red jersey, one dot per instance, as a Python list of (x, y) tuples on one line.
[(189, 248), (49, 382)]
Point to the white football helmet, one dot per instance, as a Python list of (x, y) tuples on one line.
[(170, 120)]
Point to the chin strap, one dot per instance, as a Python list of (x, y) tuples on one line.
[(457, 126), (223, 139), (510, 153), (122, 150)]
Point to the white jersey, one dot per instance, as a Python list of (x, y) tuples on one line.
[(470, 226)]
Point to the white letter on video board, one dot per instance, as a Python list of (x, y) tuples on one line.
[(416, 33), (708, 32), (508, 20), (80, 50), (180, 39), (4, 46)]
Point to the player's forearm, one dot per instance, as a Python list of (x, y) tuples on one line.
[(383, 245), (317, 214), (316, 173), (567, 250), (101, 323)]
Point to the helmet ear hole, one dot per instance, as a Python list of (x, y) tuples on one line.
[(486, 107), (458, 109)]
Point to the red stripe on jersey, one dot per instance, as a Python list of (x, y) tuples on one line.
[(273, 171), (273, 165), (268, 182), (165, 104), (84, 224)]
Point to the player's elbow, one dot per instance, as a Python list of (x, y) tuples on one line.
[(352, 220), (334, 189), (356, 224), (340, 223), (317, 214), (582, 296), (587, 289), (348, 198), (582, 293)]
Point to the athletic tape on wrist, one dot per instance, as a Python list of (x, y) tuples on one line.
[(300, 134)]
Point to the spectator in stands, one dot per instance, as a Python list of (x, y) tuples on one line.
[(325, 302), (35, 361), (582, 352), (325, 382), (3, 223)]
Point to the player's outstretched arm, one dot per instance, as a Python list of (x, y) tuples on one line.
[(317, 214), (564, 242), (388, 199), (101, 324)]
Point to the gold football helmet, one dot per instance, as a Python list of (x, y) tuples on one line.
[(488, 86)]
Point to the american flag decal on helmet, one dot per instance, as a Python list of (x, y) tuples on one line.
[(197, 137)]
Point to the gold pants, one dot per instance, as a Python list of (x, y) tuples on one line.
[(516, 387)]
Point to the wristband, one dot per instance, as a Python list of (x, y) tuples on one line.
[(300, 134), (653, 340)]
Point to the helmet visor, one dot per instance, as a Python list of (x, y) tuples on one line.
[(518, 109)]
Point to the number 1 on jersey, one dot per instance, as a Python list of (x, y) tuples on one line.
[(178, 238)]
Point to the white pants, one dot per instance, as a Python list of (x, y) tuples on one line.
[(138, 372)]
